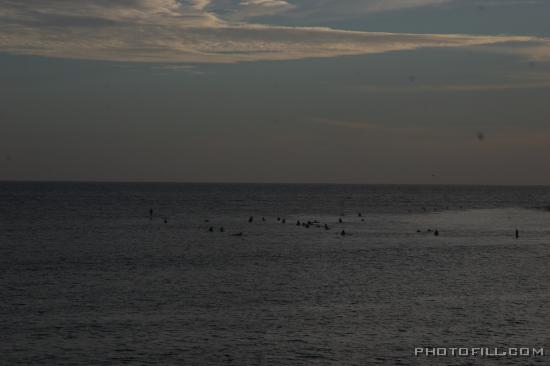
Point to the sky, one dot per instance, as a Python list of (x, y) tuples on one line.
[(295, 91)]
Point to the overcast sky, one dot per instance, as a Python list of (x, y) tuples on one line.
[(329, 91)]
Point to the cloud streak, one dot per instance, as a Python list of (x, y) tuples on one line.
[(344, 9), (189, 31)]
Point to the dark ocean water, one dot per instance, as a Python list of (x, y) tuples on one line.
[(87, 278)]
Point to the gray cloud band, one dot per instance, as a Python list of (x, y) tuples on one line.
[(172, 31)]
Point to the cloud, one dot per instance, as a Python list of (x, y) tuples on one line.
[(539, 52), (386, 5), (246, 9), (506, 2), (314, 11), (190, 31)]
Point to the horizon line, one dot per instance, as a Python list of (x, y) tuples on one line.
[(77, 181)]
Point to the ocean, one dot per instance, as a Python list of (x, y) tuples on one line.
[(89, 277)]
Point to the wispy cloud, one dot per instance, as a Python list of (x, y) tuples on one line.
[(314, 11), (190, 31)]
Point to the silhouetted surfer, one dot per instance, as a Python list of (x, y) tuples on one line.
[(326, 227), (298, 223), (251, 219), (150, 214), (222, 229), (340, 220), (284, 221), (165, 221), (517, 234), (343, 233), (436, 233), (211, 229)]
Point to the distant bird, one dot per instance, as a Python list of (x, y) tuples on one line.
[(251, 218), (480, 136)]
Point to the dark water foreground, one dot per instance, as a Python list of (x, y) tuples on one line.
[(87, 278)]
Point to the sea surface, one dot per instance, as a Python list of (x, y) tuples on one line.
[(87, 277)]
